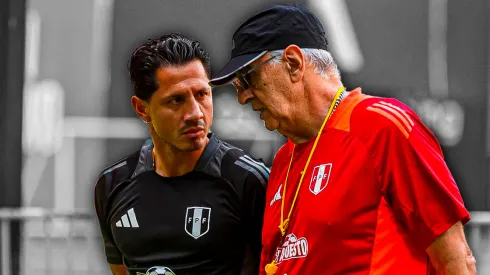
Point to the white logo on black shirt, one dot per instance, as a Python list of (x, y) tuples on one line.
[(157, 270), (197, 221), (128, 220)]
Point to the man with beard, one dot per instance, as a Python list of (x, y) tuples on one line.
[(187, 203)]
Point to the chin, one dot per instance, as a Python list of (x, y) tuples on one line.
[(189, 147), (271, 126), (193, 144)]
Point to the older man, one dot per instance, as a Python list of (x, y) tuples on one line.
[(361, 186)]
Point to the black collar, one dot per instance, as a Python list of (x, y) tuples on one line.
[(209, 162)]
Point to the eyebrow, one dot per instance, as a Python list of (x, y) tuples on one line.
[(180, 92), (172, 96)]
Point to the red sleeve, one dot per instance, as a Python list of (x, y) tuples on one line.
[(414, 177)]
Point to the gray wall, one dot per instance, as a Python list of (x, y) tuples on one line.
[(393, 38)]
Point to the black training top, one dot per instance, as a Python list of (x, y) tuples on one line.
[(207, 221)]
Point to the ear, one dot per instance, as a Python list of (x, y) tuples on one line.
[(141, 108), (295, 62)]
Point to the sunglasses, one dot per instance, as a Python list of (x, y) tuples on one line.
[(243, 81)]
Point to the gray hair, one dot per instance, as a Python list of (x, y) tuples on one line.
[(321, 60)]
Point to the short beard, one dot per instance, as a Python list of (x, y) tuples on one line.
[(152, 129)]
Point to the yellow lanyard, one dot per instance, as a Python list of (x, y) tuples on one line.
[(270, 269)]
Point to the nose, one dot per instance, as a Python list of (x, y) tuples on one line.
[(193, 111), (244, 96)]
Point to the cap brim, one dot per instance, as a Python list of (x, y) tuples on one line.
[(227, 74)]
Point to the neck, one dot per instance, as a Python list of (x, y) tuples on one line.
[(310, 125), (172, 162), (316, 105)]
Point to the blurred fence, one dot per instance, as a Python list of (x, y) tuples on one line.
[(56, 242), (53, 242)]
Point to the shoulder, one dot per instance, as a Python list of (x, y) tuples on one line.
[(223, 160), (384, 116), (116, 173), (388, 123), (239, 166)]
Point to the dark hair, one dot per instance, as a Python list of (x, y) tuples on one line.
[(169, 50)]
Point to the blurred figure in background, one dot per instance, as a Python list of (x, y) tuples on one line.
[(187, 202), (361, 186)]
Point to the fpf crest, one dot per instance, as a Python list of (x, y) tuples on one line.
[(319, 178), (197, 221)]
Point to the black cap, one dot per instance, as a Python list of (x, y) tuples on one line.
[(272, 29)]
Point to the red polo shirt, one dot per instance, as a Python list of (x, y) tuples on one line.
[(376, 194)]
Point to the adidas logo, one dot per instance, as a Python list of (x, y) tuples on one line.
[(277, 196), (128, 220)]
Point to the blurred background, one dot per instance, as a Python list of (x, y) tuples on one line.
[(66, 113)]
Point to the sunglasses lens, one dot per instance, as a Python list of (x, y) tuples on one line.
[(247, 79), (240, 83), (236, 84)]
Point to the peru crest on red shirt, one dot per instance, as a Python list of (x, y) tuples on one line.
[(319, 178)]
